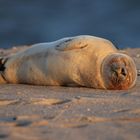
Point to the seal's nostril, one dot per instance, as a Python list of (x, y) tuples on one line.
[(123, 72)]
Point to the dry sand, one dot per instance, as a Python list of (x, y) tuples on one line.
[(67, 113)]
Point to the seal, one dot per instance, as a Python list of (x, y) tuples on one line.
[(73, 61)]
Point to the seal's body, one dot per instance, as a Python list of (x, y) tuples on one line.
[(79, 61)]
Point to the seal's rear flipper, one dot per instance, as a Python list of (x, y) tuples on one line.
[(3, 60)]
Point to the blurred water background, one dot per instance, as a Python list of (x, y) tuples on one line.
[(32, 21)]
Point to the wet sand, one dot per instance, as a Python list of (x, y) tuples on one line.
[(30, 112)]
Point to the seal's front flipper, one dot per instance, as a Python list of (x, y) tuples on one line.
[(72, 43), (2, 69)]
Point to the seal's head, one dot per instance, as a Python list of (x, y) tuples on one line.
[(118, 71)]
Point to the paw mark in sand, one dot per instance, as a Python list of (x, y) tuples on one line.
[(132, 111), (50, 101), (23, 123), (4, 102), (8, 119), (80, 126), (125, 93), (72, 125), (40, 123), (3, 135), (121, 110), (135, 111), (93, 119)]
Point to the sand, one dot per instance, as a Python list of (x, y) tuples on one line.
[(30, 112)]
